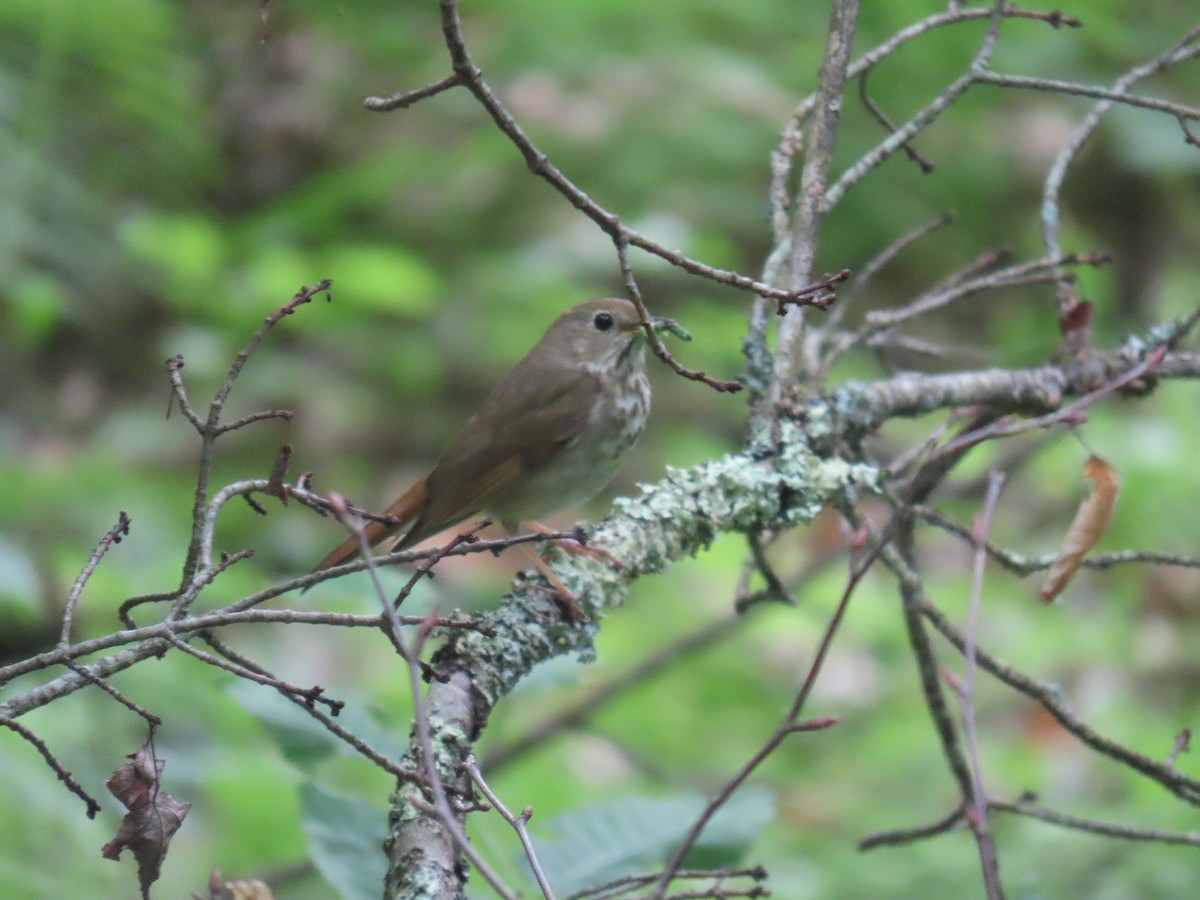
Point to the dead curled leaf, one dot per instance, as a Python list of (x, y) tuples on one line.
[(1091, 521), (153, 815)]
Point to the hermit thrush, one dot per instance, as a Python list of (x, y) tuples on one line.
[(549, 436)]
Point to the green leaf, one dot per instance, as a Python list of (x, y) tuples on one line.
[(345, 839), (302, 740), (598, 843)]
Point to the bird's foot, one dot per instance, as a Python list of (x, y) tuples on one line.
[(579, 545)]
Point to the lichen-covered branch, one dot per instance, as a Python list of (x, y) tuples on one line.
[(771, 487)]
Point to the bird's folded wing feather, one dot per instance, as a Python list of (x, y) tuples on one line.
[(518, 430), (406, 508)]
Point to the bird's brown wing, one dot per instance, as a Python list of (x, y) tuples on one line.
[(530, 416), (406, 508)]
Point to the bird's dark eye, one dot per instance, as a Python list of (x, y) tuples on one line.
[(603, 321)]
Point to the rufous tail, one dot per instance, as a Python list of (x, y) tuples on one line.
[(404, 510)]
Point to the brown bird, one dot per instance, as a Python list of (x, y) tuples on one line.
[(550, 435)]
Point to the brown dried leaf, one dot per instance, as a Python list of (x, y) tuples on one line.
[(153, 815), (1076, 319), (278, 472), (1091, 521)]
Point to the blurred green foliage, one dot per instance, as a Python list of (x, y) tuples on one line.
[(174, 171)]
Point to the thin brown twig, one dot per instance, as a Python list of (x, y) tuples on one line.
[(1093, 826), (1188, 136), (310, 696), (1027, 565), (976, 805), (153, 720), (1052, 700), (791, 722), (466, 537), (1029, 809), (958, 288), (470, 76), (925, 117), (789, 146), (893, 837), (442, 808), (61, 773), (656, 344), (979, 72), (923, 162), (1056, 174), (205, 577), (348, 737), (112, 536), (405, 99), (1182, 744), (275, 480), (627, 884), (175, 375), (873, 266), (209, 429), (251, 418), (519, 824), (1068, 414), (1178, 110), (130, 603), (810, 206), (151, 640)]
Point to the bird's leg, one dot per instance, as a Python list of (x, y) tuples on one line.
[(561, 592), (571, 545)]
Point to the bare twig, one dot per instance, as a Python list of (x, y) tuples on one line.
[(1091, 826), (977, 804), (656, 343), (52, 761), (791, 722), (873, 266), (466, 537), (896, 836), (310, 696), (334, 727), (1052, 700), (811, 201), (1183, 743), (1027, 565), (1020, 274), (1178, 110), (405, 99), (112, 536), (210, 428), (151, 719), (627, 884), (597, 696), (1068, 414), (446, 815), (518, 823), (1052, 187), (470, 76), (923, 162)]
